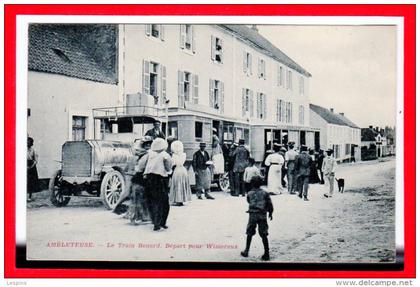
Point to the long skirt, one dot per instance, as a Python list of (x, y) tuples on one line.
[(157, 194), (203, 179), (32, 184), (219, 164), (139, 209), (274, 179), (180, 190)]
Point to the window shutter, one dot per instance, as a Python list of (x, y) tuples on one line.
[(264, 106), (291, 113), (245, 62), (251, 103), (221, 51), (146, 77), (195, 90), (213, 48), (193, 38), (162, 32), (163, 80), (259, 68), (222, 97), (258, 105), (278, 75), (243, 102), (278, 110), (263, 69), (148, 29), (250, 64), (211, 93), (182, 36), (181, 99)]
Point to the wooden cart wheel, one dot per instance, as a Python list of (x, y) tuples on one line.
[(56, 190), (112, 186), (223, 182)]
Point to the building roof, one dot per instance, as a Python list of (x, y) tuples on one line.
[(258, 40), (368, 135), (332, 118), (81, 51)]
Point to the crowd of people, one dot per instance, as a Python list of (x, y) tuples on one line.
[(156, 178)]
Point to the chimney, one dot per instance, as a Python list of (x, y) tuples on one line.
[(331, 110), (371, 127), (254, 27), (342, 114)]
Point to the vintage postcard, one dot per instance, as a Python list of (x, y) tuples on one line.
[(249, 142)]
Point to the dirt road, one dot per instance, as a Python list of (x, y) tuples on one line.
[(357, 226)]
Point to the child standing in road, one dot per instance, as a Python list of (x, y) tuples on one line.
[(251, 171), (259, 205)]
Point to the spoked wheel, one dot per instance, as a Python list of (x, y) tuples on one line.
[(56, 190), (223, 182), (112, 186)]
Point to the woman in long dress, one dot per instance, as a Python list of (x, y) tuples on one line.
[(180, 190), (275, 161), (313, 177), (217, 157), (32, 183)]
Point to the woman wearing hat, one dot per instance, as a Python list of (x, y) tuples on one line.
[(157, 165), (275, 162), (180, 190)]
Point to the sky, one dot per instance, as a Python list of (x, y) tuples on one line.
[(353, 67)]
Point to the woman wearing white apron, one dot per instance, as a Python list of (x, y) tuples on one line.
[(180, 190), (275, 161), (217, 157)]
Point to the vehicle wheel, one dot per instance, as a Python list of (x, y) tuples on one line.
[(223, 182), (112, 186), (56, 190)]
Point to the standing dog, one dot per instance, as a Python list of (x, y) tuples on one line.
[(340, 182)]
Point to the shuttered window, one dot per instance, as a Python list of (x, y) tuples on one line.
[(216, 94), (301, 85), (261, 106), (187, 88), (216, 49), (247, 63), (301, 115), (247, 103), (153, 74), (280, 76), (261, 68), (187, 40), (155, 30)]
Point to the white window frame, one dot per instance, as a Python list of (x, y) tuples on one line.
[(79, 113)]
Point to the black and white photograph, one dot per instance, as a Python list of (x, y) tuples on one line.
[(194, 142)]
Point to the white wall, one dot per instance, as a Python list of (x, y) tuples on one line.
[(137, 47), (53, 100)]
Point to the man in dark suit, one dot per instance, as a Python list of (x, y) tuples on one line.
[(240, 156), (155, 132), (303, 169), (202, 172), (320, 161)]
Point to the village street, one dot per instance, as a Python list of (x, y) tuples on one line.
[(356, 226)]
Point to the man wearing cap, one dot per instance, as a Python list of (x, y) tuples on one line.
[(303, 168), (200, 164), (240, 157), (320, 161), (328, 168), (155, 132), (229, 167), (290, 158)]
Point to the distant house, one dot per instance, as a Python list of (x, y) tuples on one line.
[(71, 70), (377, 142), (337, 132)]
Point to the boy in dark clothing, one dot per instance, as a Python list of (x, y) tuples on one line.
[(259, 204)]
